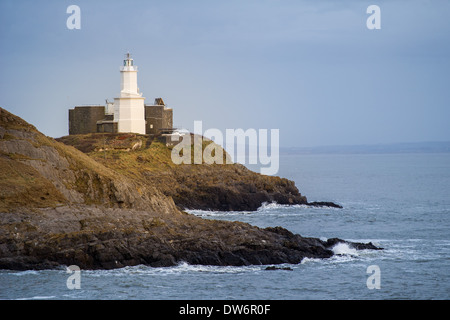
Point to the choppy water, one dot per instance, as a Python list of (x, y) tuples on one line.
[(400, 202)]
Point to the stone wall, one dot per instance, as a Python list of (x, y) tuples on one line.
[(157, 117), (90, 119), (84, 119), (167, 122), (107, 124)]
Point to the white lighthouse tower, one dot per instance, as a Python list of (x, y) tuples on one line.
[(129, 111)]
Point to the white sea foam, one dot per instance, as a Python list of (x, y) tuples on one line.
[(309, 260), (272, 206), (266, 206), (212, 213), (344, 249), (181, 268), (38, 298), (186, 267), (24, 273), (268, 209)]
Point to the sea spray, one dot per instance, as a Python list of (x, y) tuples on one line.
[(342, 249)]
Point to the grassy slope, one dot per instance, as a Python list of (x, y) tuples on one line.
[(20, 184), (220, 186), (37, 171)]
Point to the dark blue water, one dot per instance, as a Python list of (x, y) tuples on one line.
[(400, 202)]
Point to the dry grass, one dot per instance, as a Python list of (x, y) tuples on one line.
[(23, 186)]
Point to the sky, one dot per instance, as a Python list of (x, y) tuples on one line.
[(311, 69)]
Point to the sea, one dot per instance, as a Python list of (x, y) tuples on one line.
[(397, 201)]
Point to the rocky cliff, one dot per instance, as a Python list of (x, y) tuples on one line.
[(37, 171), (60, 206), (224, 187)]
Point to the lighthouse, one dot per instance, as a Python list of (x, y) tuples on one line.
[(129, 110), (128, 113)]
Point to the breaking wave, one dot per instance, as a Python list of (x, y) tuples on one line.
[(344, 249), (180, 268), (266, 206)]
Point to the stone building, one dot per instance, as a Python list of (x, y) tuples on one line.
[(158, 117), (83, 119), (128, 113)]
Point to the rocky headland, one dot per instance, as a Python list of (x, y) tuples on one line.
[(219, 187), (100, 207)]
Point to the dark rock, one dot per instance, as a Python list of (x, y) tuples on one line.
[(323, 204), (113, 238), (365, 246), (278, 268)]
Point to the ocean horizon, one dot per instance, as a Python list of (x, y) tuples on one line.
[(400, 147)]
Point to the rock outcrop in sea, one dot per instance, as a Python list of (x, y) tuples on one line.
[(102, 209)]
